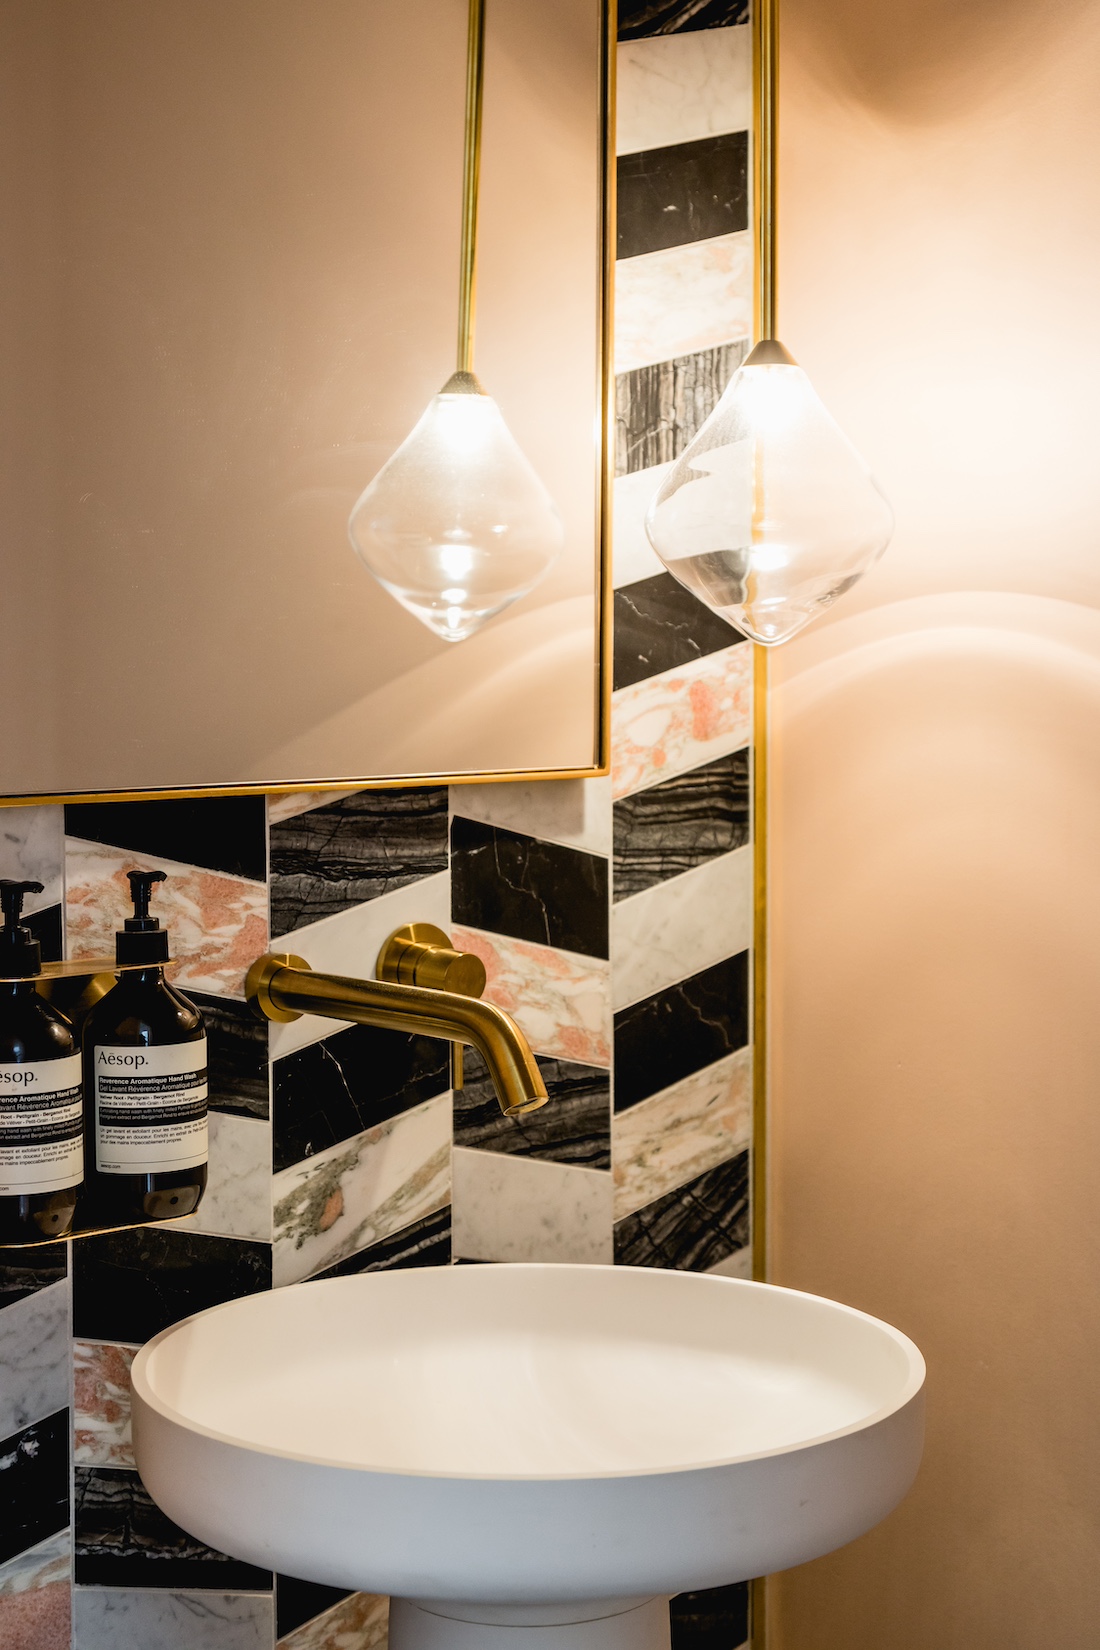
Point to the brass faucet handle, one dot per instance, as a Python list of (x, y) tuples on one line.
[(421, 954)]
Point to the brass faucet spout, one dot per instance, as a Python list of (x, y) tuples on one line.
[(282, 987)]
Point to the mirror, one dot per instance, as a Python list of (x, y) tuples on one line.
[(229, 292)]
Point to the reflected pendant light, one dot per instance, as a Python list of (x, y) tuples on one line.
[(770, 514), (457, 525)]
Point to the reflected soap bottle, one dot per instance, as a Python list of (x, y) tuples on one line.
[(41, 1143), (145, 1082)]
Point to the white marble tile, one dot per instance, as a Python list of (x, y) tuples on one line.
[(114, 1619), (349, 942), (682, 299), (101, 1404), (518, 1208), (575, 812), (737, 1265), (217, 924), (679, 927), (681, 719), (300, 802), (50, 1561), (561, 1001), (237, 1200), (32, 849), (681, 1132), (357, 1193), (360, 1622), (633, 557), (34, 1357), (675, 88)]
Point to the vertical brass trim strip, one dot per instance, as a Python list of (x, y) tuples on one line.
[(760, 964), (604, 571), (765, 32), (471, 178)]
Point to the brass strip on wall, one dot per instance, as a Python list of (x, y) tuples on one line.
[(765, 41)]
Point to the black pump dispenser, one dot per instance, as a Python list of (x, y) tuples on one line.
[(41, 1155), (142, 939), (145, 1081), (20, 952)]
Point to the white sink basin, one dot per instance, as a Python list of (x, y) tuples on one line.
[(522, 1446)]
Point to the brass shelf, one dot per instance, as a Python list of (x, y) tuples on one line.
[(82, 968), (36, 1244)]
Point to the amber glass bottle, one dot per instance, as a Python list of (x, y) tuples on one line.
[(144, 1082)]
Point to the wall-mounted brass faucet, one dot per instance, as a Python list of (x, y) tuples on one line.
[(423, 986)]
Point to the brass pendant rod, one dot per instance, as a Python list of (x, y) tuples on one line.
[(471, 178), (765, 25)]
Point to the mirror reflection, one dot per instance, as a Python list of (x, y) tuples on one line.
[(232, 291)]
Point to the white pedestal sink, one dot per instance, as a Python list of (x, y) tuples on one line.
[(535, 1455)]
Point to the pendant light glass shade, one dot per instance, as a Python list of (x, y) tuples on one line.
[(457, 524), (770, 514)]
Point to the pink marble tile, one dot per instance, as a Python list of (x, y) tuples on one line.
[(218, 924), (561, 1001), (682, 299), (671, 723), (101, 1404), (360, 1622), (39, 1619)]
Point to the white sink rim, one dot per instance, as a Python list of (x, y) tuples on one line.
[(907, 1391)]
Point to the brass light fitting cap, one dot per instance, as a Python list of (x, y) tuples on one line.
[(463, 383), (769, 352)]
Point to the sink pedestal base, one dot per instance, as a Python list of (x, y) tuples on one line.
[(593, 1624)]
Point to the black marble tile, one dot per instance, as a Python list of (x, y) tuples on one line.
[(297, 1602), (124, 1540), (660, 409), (681, 823), (716, 1619), (349, 1082), (426, 1242), (642, 19), (353, 850), (127, 1286), (46, 927), (573, 1127), (659, 625), (682, 192), (692, 1228), (681, 1029), (34, 1484), (236, 1046), (222, 833), (22, 1271), (538, 891)]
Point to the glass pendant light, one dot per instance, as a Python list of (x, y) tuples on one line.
[(770, 514), (456, 525)]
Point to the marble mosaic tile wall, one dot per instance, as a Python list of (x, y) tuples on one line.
[(614, 919)]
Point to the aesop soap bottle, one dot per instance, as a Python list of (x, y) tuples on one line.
[(41, 1139), (145, 1082)]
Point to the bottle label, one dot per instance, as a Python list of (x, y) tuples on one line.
[(150, 1108), (41, 1139)]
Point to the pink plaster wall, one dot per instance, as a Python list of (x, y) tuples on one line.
[(936, 806)]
